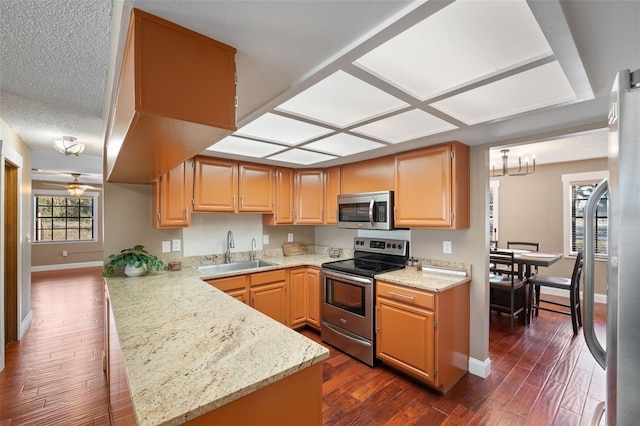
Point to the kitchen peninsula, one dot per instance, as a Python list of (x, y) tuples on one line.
[(192, 352)]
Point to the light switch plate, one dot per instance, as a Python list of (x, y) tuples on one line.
[(166, 246), (265, 239), (176, 245), (446, 247), (290, 237)]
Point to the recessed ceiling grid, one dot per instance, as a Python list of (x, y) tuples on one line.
[(490, 61)]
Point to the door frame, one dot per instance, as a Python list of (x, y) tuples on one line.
[(10, 157)]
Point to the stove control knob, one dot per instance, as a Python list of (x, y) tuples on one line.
[(399, 246)]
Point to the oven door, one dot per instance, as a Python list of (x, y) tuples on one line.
[(347, 302)]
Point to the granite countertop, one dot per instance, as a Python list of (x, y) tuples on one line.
[(189, 348), (424, 280)]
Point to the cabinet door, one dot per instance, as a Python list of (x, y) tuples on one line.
[(173, 193), (309, 197), (255, 188), (423, 188), (236, 287), (298, 299), (271, 300), (369, 175), (215, 185), (313, 297), (405, 338), (332, 189)]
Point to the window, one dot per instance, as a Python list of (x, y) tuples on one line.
[(61, 218), (577, 189)]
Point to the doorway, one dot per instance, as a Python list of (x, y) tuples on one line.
[(10, 265)]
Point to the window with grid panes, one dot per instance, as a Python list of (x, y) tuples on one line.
[(60, 218)]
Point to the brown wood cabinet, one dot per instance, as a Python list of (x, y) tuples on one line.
[(304, 285), (370, 175), (175, 97), (432, 187), (236, 286), (172, 195), (332, 184), (227, 186), (424, 334), (268, 294), (309, 197), (283, 205)]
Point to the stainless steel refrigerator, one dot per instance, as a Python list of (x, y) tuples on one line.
[(621, 358)]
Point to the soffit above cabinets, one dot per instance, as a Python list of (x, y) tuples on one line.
[(467, 64)]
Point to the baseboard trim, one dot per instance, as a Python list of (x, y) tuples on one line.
[(24, 325), (599, 298), (480, 368), (66, 266)]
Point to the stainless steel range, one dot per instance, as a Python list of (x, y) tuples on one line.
[(348, 294)]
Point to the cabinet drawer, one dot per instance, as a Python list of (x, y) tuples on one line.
[(406, 295), (230, 283), (268, 277)]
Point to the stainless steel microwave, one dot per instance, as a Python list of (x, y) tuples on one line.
[(366, 210)]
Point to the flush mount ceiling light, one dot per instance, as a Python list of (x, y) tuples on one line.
[(505, 166), (276, 128), (68, 146)]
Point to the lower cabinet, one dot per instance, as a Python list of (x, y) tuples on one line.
[(424, 334), (304, 284), (268, 292), (233, 286)]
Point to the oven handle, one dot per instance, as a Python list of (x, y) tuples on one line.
[(371, 204), (362, 281), (355, 339)]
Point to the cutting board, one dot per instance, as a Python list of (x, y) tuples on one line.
[(292, 249)]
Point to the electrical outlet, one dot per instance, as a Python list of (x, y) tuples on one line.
[(265, 239), (176, 245), (446, 247), (64, 253), (166, 246), (290, 237)]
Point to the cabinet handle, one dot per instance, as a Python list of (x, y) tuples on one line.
[(186, 211), (233, 201), (404, 296), (242, 201), (253, 301), (377, 314)]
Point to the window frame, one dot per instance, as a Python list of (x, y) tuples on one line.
[(56, 193), (568, 181)]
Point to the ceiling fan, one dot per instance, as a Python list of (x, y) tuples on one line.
[(74, 188)]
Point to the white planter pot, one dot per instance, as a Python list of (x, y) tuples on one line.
[(132, 271)]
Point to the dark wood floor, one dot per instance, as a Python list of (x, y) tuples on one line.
[(541, 375)]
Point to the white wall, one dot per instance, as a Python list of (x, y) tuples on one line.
[(208, 233)]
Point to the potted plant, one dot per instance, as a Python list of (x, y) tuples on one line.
[(136, 261)]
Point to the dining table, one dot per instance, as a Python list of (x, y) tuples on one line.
[(527, 260)]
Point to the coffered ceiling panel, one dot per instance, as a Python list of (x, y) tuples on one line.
[(465, 42), (301, 156), (405, 126), (537, 88), (341, 100), (343, 144), (246, 147), (276, 128)]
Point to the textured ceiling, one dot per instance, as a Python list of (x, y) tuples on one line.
[(58, 61)]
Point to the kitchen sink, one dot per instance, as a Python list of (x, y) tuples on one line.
[(232, 267)]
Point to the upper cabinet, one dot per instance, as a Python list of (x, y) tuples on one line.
[(308, 197), (332, 181), (173, 192), (227, 186), (176, 96), (368, 176), (432, 187), (283, 205)]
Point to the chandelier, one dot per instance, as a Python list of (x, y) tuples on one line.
[(522, 171), (68, 146)]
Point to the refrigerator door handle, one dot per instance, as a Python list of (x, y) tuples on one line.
[(589, 263)]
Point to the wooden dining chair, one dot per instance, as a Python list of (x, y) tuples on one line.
[(507, 289), (571, 284)]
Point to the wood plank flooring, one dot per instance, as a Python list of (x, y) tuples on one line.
[(541, 375)]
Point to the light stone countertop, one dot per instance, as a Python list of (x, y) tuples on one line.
[(423, 280), (189, 348)]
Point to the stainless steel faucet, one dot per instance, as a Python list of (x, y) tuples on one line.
[(230, 245), (253, 252)]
